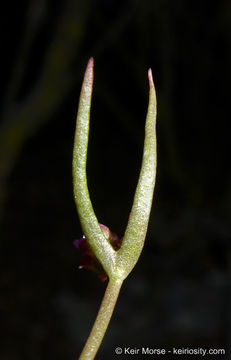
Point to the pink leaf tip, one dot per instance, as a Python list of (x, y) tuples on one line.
[(150, 78)]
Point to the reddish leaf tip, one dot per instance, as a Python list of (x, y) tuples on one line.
[(88, 78), (150, 78), (90, 63)]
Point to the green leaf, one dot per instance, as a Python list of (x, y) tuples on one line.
[(117, 264), (135, 233), (91, 229)]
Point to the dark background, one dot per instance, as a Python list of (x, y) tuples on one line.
[(179, 293)]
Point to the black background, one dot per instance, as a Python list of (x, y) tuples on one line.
[(179, 293)]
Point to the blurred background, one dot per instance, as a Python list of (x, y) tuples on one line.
[(179, 293)]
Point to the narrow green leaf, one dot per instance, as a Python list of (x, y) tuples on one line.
[(135, 233), (90, 226)]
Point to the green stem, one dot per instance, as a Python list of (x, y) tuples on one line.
[(102, 320)]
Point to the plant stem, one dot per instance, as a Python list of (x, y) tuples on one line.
[(102, 320)]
